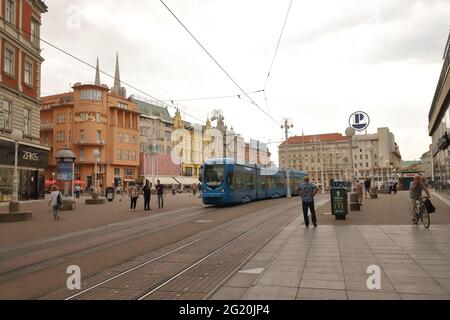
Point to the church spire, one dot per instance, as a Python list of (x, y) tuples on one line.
[(118, 89), (97, 74), (117, 74)]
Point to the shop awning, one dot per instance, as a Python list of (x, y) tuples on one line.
[(166, 180), (187, 181)]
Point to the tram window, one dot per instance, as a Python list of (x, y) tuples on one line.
[(230, 181)]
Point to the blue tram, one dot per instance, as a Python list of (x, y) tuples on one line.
[(225, 182)]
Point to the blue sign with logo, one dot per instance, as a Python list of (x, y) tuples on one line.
[(64, 171), (359, 121)]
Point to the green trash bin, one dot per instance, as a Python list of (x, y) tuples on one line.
[(339, 202)]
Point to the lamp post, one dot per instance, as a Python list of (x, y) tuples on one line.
[(350, 132), (96, 154), (287, 125), (17, 136)]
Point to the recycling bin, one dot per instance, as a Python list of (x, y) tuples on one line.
[(110, 193), (339, 202)]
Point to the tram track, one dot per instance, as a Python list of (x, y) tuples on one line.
[(65, 254), (207, 236)]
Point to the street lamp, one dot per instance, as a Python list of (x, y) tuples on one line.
[(287, 125), (96, 154), (17, 136), (350, 132)]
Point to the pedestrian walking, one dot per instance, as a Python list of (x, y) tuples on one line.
[(359, 191), (134, 196), (395, 187), (307, 192), (77, 191), (147, 191), (160, 193), (199, 190), (194, 189), (367, 188), (55, 202), (173, 189)]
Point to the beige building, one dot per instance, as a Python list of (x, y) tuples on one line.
[(326, 157), (439, 126), (377, 155)]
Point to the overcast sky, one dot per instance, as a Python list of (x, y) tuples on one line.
[(336, 57)]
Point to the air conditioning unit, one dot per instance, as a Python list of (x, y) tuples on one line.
[(443, 142)]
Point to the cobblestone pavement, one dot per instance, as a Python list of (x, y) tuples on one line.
[(386, 210), (331, 262)]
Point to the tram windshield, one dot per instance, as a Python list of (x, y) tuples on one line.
[(214, 175)]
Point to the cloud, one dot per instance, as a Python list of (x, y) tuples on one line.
[(335, 56)]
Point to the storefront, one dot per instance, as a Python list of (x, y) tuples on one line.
[(441, 153), (31, 163)]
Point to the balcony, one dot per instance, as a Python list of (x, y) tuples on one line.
[(100, 143), (46, 127)]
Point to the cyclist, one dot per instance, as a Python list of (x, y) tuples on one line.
[(415, 193)]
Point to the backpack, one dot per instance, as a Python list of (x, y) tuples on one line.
[(429, 206), (59, 200)]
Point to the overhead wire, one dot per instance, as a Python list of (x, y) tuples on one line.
[(217, 63), (94, 67)]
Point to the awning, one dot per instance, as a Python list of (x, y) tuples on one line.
[(166, 180), (187, 181)]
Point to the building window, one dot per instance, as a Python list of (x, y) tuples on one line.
[(133, 156), (122, 105), (70, 135), (119, 154), (99, 136), (34, 32), (26, 121), (6, 115), (60, 118), (93, 95), (9, 62), (28, 73), (82, 135), (127, 138), (60, 136), (11, 11), (81, 154), (129, 172), (127, 155), (133, 139), (117, 172), (119, 137)]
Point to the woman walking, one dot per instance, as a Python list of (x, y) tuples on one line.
[(133, 197), (147, 190), (55, 202)]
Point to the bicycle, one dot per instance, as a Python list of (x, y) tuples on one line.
[(422, 213)]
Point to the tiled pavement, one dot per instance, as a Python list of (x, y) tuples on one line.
[(330, 262)]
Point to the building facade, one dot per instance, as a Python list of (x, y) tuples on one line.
[(20, 85), (377, 155), (427, 165), (327, 157), (94, 117), (439, 127), (324, 157)]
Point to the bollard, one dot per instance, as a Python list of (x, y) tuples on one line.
[(355, 205)]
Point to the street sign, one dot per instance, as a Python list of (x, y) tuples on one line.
[(359, 121)]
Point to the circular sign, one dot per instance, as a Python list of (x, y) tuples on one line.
[(359, 121)]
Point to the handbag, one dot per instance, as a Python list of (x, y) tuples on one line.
[(59, 200), (429, 206)]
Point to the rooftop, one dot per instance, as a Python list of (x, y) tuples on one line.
[(151, 110), (328, 137)]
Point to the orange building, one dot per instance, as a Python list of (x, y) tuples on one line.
[(94, 117)]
